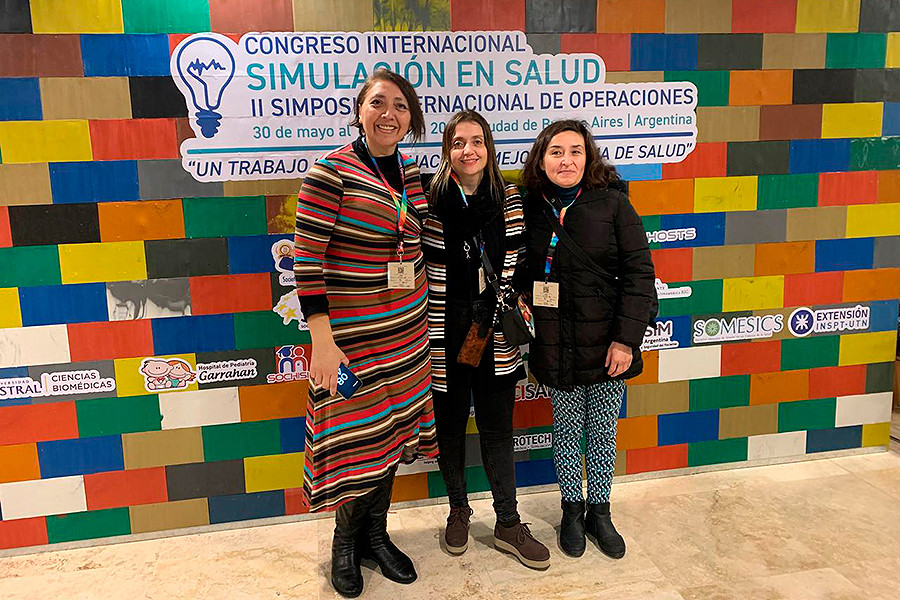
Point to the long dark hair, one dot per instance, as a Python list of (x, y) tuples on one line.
[(597, 172), (441, 179), (416, 117)]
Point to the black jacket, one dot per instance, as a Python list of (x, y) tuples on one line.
[(572, 340)]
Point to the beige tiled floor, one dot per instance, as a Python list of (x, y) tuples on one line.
[(826, 529)]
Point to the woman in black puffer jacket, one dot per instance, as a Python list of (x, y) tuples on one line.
[(591, 282)]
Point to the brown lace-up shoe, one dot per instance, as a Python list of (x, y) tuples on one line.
[(457, 534), (518, 541)]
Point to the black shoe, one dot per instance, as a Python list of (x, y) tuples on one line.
[(571, 529), (377, 544), (345, 548), (599, 524)]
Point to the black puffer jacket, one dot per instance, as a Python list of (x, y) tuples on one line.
[(572, 340)]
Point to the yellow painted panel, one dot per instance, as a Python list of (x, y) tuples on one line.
[(864, 348), (876, 434), (718, 194), (77, 16), (277, 472), (130, 380), (45, 141), (102, 261), (892, 61), (827, 15), (471, 428), (872, 220), (10, 311), (752, 293), (862, 119)]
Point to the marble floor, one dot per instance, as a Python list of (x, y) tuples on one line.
[(823, 529)]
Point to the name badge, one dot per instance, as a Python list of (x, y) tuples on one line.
[(482, 280), (546, 293), (401, 275)]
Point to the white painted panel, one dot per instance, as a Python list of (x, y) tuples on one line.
[(863, 408), (40, 497), (680, 364), (201, 407), (31, 346), (776, 445)]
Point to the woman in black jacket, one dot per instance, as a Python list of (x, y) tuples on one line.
[(592, 287), (475, 213)]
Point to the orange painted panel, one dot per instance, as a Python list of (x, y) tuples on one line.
[(410, 487), (840, 189), (806, 289), (785, 257), (293, 502), (38, 423), (129, 221), (534, 413), (109, 340), (219, 294), (673, 264), (784, 386), (751, 357), (273, 401), (19, 462), (656, 459), (662, 197), (637, 432), (125, 488), (877, 284), (888, 186), (631, 16), (650, 374), (5, 233), (759, 88), (831, 382), (129, 139), (20, 533)]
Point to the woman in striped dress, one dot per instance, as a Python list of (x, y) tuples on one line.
[(361, 283)]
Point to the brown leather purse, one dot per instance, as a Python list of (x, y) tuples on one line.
[(474, 344)]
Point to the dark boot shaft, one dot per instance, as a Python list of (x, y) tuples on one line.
[(377, 544), (345, 550), (571, 530), (598, 523)]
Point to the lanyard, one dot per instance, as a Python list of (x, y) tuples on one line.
[(462, 192), (400, 204), (554, 240)]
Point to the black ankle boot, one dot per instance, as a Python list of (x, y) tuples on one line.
[(599, 524), (571, 529), (345, 548), (377, 544)]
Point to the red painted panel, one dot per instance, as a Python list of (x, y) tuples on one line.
[(830, 382), (23, 532), (807, 289), (125, 488), (229, 16), (660, 458), (709, 159), (673, 264), (751, 357), (477, 15), (5, 234), (839, 189), (109, 340), (130, 139), (763, 16), (613, 48), (38, 423), (217, 294)]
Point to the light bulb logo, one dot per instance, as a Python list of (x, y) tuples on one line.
[(206, 66)]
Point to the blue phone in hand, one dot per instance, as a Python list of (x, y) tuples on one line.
[(348, 383)]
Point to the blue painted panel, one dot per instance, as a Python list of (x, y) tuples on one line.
[(891, 121), (242, 507), (819, 156), (147, 55), (845, 255), (293, 434), (121, 55), (535, 472), (20, 99), (883, 315), (61, 458), (639, 172), (842, 438), (662, 52), (710, 229), (207, 333), (252, 253), (685, 428), (99, 181), (52, 304)]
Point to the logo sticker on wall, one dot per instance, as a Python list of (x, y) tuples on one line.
[(737, 328), (672, 235), (291, 364), (283, 255), (60, 383), (226, 370), (166, 374), (659, 337), (664, 291), (804, 321), (532, 441), (288, 307), (531, 391)]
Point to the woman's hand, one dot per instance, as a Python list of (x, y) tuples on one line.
[(618, 359), (326, 356)]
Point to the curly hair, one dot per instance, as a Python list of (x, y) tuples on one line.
[(597, 172)]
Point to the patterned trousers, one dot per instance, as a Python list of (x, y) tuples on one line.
[(594, 410)]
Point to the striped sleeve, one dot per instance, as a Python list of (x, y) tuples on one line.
[(318, 204), (507, 357), (436, 271)]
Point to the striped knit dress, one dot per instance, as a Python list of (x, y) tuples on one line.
[(346, 234)]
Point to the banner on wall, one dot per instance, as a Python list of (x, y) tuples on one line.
[(268, 105)]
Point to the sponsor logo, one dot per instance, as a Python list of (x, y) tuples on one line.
[(532, 441), (283, 255), (737, 328), (804, 321), (59, 383), (672, 235), (291, 364), (288, 308), (659, 337), (664, 291), (226, 370), (166, 374), (531, 391)]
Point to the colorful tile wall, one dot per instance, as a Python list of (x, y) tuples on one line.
[(114, 261)]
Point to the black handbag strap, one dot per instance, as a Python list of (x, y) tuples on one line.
[(578, 252)]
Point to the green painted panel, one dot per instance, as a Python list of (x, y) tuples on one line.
[(705, 299), (28, 266), (652, 223), (88, 525), (712, 86), (109, 416), (788, 191), (240, 440), (223, 217), (265, 329), (875, 153), (809, 353), (806, 414), (165, 16), (717, 452), (476, 481), (856, 50), (719, 392)]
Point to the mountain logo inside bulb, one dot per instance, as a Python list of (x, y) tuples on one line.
[(206, 66)]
